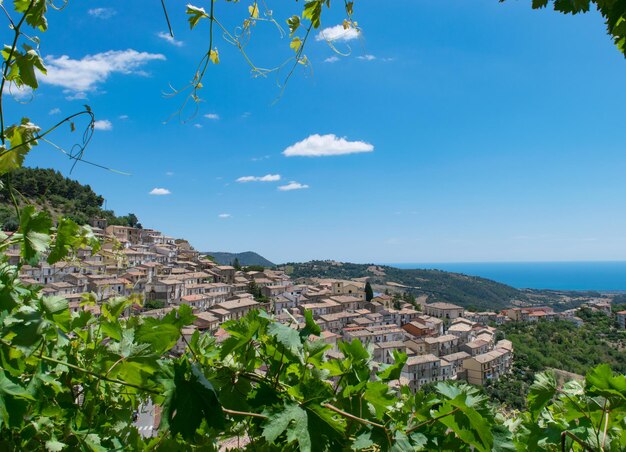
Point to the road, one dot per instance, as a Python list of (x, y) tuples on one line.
[(146, 420)]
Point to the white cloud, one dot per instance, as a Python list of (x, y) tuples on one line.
[(123, 117), (54, 111), (159, 192), (102, 13), (266, 178), (81, 76), (246, 114), (169, 173), (224, 215), (325, 145), (337, 33), (79, 95), (332, 59), (169, 38), (21, 94), (197, 126), (103, 124), (212, 116), (367, 57), (293, 185), (258, 159)]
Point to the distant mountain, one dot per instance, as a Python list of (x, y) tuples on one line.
[(245, 258), (436, 285)]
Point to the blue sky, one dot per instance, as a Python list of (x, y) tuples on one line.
[(488, 132)]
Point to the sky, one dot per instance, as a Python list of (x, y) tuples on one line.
[(441, 132)]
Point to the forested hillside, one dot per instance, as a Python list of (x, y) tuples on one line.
[(559, 345), (468, 291), (59, 195)]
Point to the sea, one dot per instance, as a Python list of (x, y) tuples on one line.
[(596, 276)]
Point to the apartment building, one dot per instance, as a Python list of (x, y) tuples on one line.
[(420, 370), (488, 366), (442, 310)]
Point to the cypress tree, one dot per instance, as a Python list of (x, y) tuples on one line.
[(369, 293)]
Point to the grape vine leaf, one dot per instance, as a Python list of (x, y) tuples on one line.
[(195, 14), (22, 139), (294, 420), (541, 392), (189, 399)]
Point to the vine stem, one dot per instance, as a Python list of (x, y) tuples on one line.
[(167, 19), (49, 131), (429, 421), (243, 413), (141, 388), (97, 375), (606, 427), (353, 417), (7, 65), (566, 433)]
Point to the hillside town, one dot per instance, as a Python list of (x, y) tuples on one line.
[(442, 340)]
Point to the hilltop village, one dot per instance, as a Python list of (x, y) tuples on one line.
[(442, 340)]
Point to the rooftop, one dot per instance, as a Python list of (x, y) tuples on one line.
[(422, 359), (442, 305)]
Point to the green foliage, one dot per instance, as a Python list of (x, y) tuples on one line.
[(34, 228), (561, 345), (557, 345), (70, 236), (541, 393), (409, 298), (21, 138), (23, 65), (154, 304), (397, 301), (195, 15), (511, 390), (255, 291), (369, 293), (59, 195), (190, 399), (34, 12)]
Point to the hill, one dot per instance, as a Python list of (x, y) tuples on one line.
[(51, 191), (245, 258), (467, 291)]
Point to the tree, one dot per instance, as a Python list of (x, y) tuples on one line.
[(256, 292), (236, 264), (154, 304), (369, 293), (397, 300), (409, 298), (133, 221), (254, 268)]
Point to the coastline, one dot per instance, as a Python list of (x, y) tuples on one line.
[(601, 276)]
